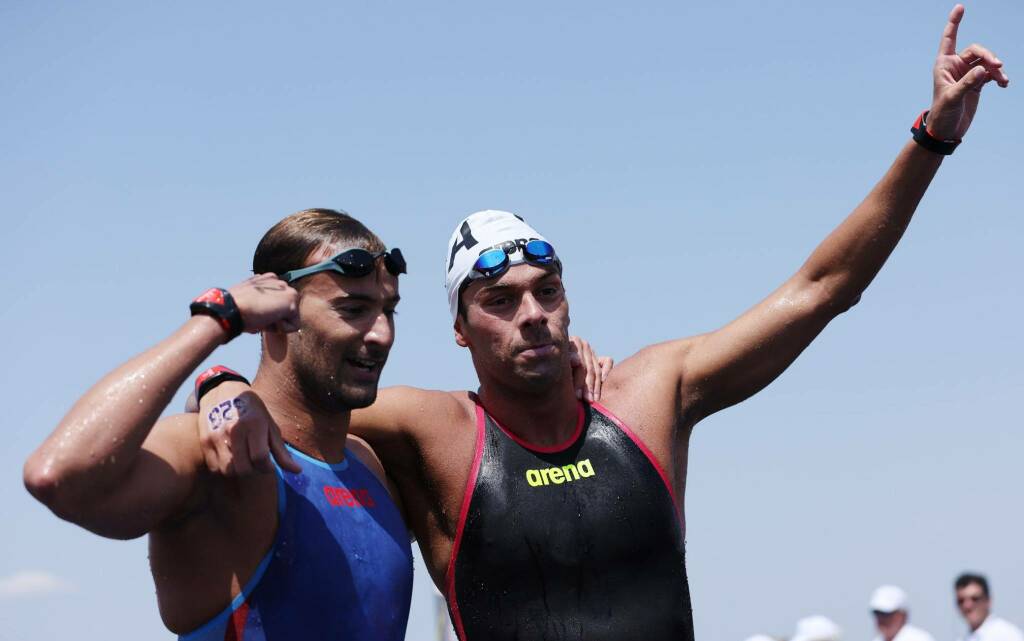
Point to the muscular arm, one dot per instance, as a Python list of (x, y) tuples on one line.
[(101, 467), (724, 367), (385, 423), (109, 466)]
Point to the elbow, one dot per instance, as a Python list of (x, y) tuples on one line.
[(48, 484), (59, 490), (41, 480), (827, 298)]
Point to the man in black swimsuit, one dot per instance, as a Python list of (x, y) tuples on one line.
[(541, 517)]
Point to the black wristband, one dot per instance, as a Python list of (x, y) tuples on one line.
[(925, 139), (213, 377), (219, 304)]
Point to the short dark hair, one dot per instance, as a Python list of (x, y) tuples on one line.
[(289, 244), (967, 578)]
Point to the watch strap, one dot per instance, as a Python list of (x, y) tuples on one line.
[(944, 146), (218, 303), (213, 377)]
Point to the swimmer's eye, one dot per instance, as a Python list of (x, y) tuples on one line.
[(350, 311), (498, 301)]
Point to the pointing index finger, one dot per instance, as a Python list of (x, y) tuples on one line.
[(947, 46)]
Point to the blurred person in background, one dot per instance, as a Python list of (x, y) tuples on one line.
[(975, 604), (889, 606), (817, 628)]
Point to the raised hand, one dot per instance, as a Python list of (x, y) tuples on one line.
[(267, 303), (959, 78)]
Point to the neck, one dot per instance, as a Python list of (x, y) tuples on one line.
[(315, 432), (544, 418)]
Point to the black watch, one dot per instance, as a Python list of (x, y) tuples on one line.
[(219, 304), (213, 377), (925, 139)]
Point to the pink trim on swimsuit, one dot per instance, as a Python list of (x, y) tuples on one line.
[(643, 448), (463, 514), (546, 449)]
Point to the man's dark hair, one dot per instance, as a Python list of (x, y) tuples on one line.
[(289, 244), (967, 578)]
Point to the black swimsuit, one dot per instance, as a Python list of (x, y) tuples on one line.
[(580, 541)]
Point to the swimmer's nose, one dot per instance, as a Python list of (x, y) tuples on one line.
[(530, 311)]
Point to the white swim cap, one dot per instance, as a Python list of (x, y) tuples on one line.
[(476, 234)]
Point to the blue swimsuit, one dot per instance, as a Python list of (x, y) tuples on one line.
[(340, 566)]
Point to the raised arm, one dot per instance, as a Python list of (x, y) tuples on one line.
[(726, 366), (105, 466)]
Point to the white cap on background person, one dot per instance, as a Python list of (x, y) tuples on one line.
[(888, 598), (816, 628)]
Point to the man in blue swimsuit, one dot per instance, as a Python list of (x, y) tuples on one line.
[(314, 549), (541, 517)]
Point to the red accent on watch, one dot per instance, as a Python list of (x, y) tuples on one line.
[(220, 305), (213, 377), (923, 137), (213, 295)]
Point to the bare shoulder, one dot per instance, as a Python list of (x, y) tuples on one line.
[(175, 440), (659, 366), (646, 389), (362, 451)]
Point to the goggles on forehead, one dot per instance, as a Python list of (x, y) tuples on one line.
[(495, 262), (352, 262)]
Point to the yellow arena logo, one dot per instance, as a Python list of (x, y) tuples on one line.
[(559, 475)]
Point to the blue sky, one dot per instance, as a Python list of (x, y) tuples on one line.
[(147, 147)]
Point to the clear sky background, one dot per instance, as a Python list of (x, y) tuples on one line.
[(683, 157)]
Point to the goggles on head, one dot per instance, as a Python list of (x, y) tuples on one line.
[(495, 262), (352, 262)]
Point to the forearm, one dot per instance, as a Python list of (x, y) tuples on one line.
[(846, 262), (98, 441)]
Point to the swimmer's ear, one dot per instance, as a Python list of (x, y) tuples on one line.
[(460, 338)]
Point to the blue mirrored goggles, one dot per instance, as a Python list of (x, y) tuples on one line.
[(495, 262), (352, 262)]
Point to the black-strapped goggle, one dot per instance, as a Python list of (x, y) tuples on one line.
[(352, 262), (495, 262)]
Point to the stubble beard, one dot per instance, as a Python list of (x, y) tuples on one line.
[(542, 377), (321, 382)]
